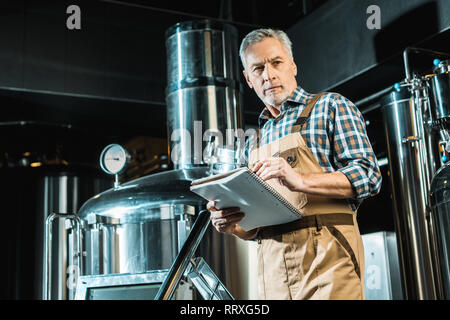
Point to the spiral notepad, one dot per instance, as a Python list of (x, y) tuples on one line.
[(261, 203)]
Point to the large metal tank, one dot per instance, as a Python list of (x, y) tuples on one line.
[(150, 216), (440, 206), (139, 225), (30, 195), (61, 191), (41, 172), (407, 155), (204, 97), (204, 93), (438, 121), (440, 95)]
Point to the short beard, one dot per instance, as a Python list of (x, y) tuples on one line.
[(273, 101)]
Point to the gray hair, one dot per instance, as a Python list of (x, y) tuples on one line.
[(259, 35)]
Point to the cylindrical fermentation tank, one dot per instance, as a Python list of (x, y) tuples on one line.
[(47, 190), (440, 207), (406, 151), (204, 93), (43, 169), (417, 122), (63, 191), (440, 95), (140, 225)]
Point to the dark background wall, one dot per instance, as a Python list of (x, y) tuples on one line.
[(336, 51), (112, 72), (117, 61)]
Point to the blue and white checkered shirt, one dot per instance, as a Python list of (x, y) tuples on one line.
[(336, 135)]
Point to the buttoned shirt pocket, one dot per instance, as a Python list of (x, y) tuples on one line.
[(291, 156)]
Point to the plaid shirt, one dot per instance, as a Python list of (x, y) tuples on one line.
[(336, 135)]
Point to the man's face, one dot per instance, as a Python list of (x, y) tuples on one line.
[(270, 71)]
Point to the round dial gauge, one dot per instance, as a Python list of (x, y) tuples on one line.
[(114, 159)]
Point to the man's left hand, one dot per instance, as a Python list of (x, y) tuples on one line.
[(279, 169)]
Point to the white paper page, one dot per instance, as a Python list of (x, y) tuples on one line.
[(261, 207)]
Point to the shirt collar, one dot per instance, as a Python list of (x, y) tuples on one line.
[(298, 97)]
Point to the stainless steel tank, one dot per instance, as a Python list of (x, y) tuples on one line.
[(203, 98), (440, 94), (438, 122), (203, 92), (439, 111), (62, 192), (407, 155), (44, 169), (140, 225), (416, 117), (43, 190), (440, 207)]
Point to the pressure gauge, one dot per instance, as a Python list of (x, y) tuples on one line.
[(114, 159)]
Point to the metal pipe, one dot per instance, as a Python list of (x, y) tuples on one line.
[(372, 99), (370, 108), (183, 258), (46, 283), (81, 95), (48, 247), (405, 151), (180, 13), (418, 50)]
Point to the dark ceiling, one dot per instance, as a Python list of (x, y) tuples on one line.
[(246, 13), (116, 61)]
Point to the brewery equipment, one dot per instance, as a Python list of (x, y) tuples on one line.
[(440, 206), (141, 226), (416, 117), (72, 250), (409, 195), (138, 226), (160, 284), (43, 172), (204, 278), (204, 93), (113, 160), (138, 286)]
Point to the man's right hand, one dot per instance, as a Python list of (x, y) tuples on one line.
[(225, 220)]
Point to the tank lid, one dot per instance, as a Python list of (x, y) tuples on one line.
[(199, 25), (440, 186), (143, 199), (395, 96)]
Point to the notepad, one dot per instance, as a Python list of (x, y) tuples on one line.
[(261, 203)]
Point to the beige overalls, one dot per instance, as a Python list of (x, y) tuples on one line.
[(320, 256)]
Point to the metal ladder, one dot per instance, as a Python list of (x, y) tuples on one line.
[(204, 279)]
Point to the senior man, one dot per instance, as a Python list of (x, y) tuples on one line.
[(317, 147)]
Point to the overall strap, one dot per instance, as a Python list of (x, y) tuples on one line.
[(258, 138), (306, 112)]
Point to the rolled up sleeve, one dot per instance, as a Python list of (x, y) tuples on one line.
[(353, 153)]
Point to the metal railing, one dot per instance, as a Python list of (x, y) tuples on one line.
[(183, 260)]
